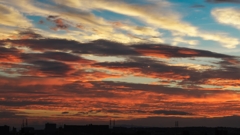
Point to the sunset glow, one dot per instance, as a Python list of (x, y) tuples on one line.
[(86, 61)]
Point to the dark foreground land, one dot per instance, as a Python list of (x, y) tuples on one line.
[(51, 129)]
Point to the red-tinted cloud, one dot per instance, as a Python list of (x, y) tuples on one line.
[(57, 77)]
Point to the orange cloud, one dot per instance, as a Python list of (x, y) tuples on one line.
[(190, 52), (10, 58), (155, 53)]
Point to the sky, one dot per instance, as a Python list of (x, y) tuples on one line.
[(138, 62)]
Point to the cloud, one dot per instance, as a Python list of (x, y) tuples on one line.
[(10, 114), (110, 48), (223, 1), (227, 16), (11, 17), (138, 30), (59, 23), (110, 96), (28, 34), (56, 63), (59, 63), (166, 51), (65, 113), (57, 68), (153, 15), (6, 32), (178, 40), (50, 55), (65, 17), (24, 103), (98, 47), (9, 54), (52, 67), (171, 112), (99, 28), (41, 67), (147, 67)]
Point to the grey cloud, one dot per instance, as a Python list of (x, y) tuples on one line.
[(5, 52), (11, 114), (60, 56), (150, 67), (171, 112), (52, 67), (99, 47), (107, 86), (88, 112), (109, 48), (30, 33), (172, 51), (65, 112), (147, 66), (24, 103)]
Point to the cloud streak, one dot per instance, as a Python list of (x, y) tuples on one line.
[(74, 60)]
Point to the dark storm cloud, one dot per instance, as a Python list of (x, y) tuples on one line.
[(223, 1), (52, 67), (170, 112)]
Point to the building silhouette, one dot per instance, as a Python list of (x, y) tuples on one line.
[(50, 128), (86, 129), (221, 132), (4, 130), (26, 130)]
